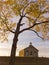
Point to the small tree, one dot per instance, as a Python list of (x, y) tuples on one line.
[(32, 10)]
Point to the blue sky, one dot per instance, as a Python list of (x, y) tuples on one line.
[(27, 37), (24, 39)]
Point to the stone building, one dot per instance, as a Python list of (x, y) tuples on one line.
[(30, 51)]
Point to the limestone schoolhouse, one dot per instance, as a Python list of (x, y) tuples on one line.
[(30, 51)]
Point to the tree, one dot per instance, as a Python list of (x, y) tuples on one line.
[(32, 10)]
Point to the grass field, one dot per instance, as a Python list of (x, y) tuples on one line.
[(25, 61)]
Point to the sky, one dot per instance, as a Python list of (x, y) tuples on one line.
[(24, 40)]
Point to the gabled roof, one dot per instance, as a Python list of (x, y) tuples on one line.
[(31, 46)]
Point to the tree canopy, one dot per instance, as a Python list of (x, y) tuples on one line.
[(34, 11)]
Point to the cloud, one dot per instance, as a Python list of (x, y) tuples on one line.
[(43, 51)]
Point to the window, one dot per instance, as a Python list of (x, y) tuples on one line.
[(35, 54), (31, 53), (27, 52)]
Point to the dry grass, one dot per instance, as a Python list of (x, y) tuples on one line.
[(25, 61)]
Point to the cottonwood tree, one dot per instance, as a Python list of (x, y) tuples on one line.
[(33, 11)]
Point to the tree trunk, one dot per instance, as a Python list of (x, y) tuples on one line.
[(13, 51), (14, 45)]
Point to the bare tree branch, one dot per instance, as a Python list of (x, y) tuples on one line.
[(37, 17), (4, 21), (33, 26), (22, 24), (29, 17), (26, 6), (8, 27), (37, 33), (33, 18)]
